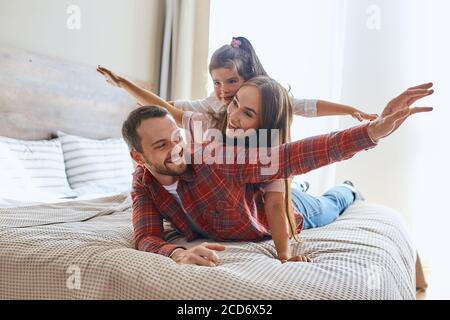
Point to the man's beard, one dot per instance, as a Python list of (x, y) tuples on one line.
[(165, 170)]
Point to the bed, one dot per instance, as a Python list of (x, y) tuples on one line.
[(84, 249)]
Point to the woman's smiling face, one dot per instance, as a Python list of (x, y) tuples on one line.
[(244, 111)]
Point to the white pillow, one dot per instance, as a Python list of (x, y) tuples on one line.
[(32, 167), (96, 166)]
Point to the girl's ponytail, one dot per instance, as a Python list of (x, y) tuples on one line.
[(245, 45), (241, 55)]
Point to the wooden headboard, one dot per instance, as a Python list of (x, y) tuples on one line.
[(40, 95)]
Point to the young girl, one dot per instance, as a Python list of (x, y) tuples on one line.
[(230, 67)]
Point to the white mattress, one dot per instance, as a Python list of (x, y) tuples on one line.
[(365, 254)]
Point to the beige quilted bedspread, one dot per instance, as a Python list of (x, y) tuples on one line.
[(84, 250)]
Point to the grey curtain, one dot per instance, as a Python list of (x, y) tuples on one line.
[(184, 58)]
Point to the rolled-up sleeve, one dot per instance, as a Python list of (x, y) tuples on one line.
[(305, 107)]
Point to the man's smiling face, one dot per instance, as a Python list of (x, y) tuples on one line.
[(162, 146)]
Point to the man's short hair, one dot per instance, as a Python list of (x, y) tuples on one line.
[(134, 120)]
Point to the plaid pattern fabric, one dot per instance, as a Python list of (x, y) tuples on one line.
[(222, 199)]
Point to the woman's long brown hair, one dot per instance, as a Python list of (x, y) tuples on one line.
[(276, 113)]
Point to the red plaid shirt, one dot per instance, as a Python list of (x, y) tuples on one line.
[(224, 200)]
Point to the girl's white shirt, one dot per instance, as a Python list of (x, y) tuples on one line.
[(300, 107)]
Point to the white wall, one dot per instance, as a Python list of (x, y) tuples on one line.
[(379, 64), (373, 73), (409, 170), (124, 35)]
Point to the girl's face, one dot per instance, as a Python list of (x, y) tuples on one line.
[(226, 83), (244, 111)]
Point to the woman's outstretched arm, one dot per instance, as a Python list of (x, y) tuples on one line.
[(143, 96)]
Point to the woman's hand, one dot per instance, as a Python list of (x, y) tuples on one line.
[(112, 78), (297, 259), (361, 116), (407, 98), (398, 110)]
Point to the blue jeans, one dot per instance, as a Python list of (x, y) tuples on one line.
[(320, 211)]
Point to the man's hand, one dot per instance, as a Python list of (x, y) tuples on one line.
[(398, 110), (201, 255), (112, 78)]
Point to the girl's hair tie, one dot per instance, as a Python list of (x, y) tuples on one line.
[(235, 43)]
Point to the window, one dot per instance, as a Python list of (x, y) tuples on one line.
[(300, 45)]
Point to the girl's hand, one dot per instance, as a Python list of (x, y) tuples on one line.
[(297, 259), (110, 76), (361, 116)]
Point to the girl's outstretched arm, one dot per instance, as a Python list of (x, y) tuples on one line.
[(320, 108), (143, 96), (326, 108)]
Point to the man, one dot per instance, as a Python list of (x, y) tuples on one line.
[(216, 201)]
